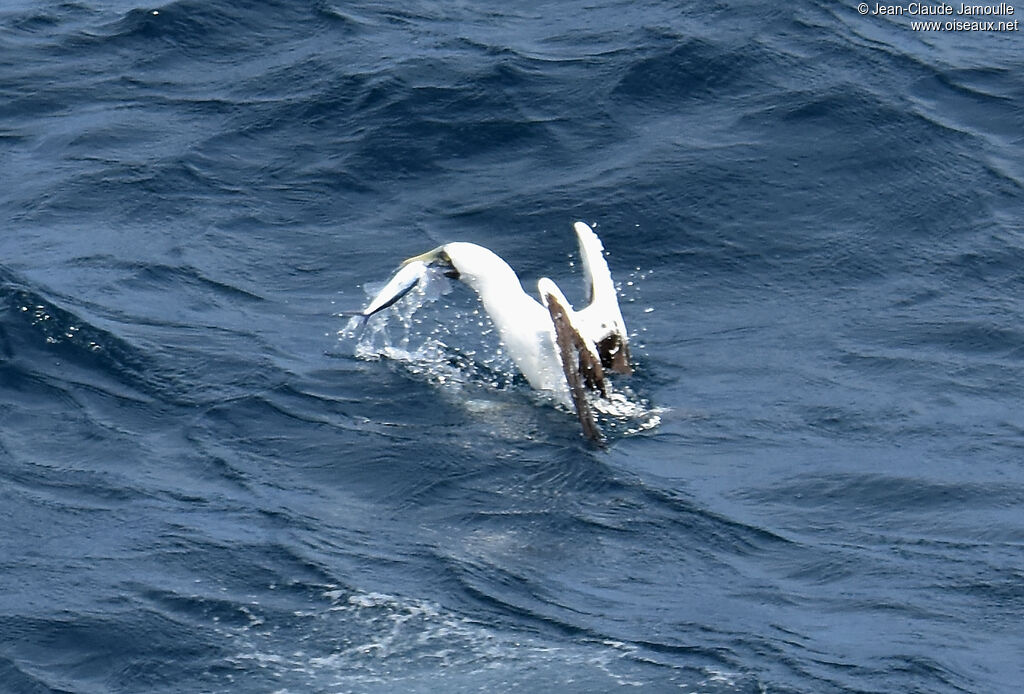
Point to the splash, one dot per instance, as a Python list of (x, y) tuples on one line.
[(451, 343), (624, 413)]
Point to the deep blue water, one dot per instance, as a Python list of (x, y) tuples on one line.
[(206, 485)]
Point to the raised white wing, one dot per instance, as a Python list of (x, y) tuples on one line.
[(601, 321)]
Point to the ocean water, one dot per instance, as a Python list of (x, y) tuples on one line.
[(210, 482)]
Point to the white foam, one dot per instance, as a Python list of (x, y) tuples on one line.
[(376, 641)]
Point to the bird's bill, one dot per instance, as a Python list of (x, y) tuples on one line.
[(436, 258), (426, 258)]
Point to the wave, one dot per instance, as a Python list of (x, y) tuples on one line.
[(35, 331)]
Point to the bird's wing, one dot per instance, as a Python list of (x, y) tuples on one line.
[(601, 321), (580, 362)]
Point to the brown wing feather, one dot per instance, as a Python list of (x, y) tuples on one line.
[(579, 367), (614, 353)]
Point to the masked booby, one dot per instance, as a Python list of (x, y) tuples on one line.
[(558, 349)]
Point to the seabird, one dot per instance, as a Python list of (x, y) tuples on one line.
[(558, 349)]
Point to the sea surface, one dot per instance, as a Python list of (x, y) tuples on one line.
[(213, 480)]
